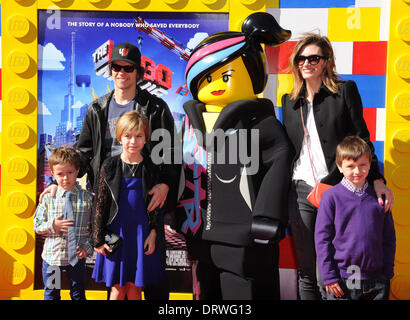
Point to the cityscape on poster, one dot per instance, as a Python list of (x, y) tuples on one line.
[(72, 63), (73, 54)]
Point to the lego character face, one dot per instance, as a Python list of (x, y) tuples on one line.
[(229, 83)]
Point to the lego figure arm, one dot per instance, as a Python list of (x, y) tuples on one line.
[(270, 211)]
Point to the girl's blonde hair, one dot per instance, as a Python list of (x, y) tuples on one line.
[(330, 77), (129, 121)]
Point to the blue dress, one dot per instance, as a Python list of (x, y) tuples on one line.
[(128, 263)]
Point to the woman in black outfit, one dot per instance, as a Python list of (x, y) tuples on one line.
[(332, 109)]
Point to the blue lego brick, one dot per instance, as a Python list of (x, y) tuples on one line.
[(278, 112), (316, 3), (379, 152), (372, 89)]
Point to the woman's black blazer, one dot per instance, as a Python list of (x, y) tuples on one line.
[(336, 116)]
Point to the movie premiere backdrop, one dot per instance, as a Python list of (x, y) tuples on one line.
[(73, 70), (68, 54)]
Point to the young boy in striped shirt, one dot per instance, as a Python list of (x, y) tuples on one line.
[(64, 219)]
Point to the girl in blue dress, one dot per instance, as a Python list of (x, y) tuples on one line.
[(121, 208)]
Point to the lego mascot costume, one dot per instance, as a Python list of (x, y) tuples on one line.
[(236, 166)]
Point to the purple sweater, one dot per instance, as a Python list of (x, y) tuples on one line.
[(353, 230)]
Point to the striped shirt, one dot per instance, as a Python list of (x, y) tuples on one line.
[(55, 250), (357, 191)]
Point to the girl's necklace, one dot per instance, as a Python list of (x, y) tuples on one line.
[(135, 168), (130, 167)]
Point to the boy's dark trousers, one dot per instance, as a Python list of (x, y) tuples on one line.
[(372, 289), (52, 280)]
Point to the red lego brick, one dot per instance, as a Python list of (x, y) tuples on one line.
[(370, 115), (369, 57), (278, 57)]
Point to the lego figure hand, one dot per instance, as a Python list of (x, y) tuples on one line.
[(266, 229)]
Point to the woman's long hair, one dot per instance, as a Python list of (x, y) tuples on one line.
[(330, 77)]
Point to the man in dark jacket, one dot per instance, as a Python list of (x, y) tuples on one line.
[(97, 139)]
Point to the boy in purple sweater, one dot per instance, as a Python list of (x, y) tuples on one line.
[(355, 240)]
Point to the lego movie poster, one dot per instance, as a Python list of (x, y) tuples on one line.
[(73, 53)]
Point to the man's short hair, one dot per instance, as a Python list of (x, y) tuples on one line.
[(352, 148), (129, 121), (64, 154)]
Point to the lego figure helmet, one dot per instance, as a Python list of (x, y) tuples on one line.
[(223, 47)]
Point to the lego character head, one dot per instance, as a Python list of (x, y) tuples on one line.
[(229, 66)]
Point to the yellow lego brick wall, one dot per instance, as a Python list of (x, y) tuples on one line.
[(18, 136), (397, 145)]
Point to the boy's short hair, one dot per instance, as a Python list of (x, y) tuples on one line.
[(352, 148), (64, 154), (129, 121)]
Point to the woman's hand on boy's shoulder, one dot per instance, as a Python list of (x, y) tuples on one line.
[(384, 195), (335, 289), (51, 189)]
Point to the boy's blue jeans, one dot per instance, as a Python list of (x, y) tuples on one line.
[(372, 289), (52, 280)]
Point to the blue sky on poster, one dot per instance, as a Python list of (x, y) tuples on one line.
[(92, 30)]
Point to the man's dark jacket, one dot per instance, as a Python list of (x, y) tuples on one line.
[(90, 144)]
